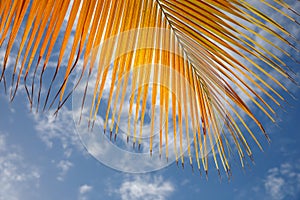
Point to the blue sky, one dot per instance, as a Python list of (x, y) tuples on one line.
[(43, 158)]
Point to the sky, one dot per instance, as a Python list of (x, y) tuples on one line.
[(43, 158)]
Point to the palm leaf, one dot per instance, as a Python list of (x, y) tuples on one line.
[(208, 43)]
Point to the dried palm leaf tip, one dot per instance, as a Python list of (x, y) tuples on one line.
[(202, 53)]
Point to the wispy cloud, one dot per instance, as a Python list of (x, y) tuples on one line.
[(145, 187), (283, 182), (16, 174), (279, 183), (274, 185), (64, 166), (83, 190), (62, 129)]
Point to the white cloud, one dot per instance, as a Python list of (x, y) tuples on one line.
[(283, 182), (85, 189), (17, 176), (274, 186), (62, 129), (145, 187), (279, 183), (64, 166)]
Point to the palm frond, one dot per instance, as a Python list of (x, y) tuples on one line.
[(208, 43)]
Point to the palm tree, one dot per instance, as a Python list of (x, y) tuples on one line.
[(204, 61)]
